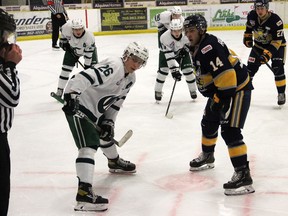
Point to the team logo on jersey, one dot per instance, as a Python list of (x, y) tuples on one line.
[(206, 49), (279, 23), (105, 102)]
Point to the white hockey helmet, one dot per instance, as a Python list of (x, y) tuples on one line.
[(176, 10), (138, 50), (176, 24), (77, 24)]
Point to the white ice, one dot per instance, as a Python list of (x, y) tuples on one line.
[(43, 153)]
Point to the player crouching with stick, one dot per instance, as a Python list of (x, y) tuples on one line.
[(98, 93)]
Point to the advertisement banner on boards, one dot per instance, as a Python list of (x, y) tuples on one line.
[(201, 2), (33, 23), (228, 1), (137, 3), (123, 19), (186, 11), (108, 3), (232, 15), (38, 5), (171, 2)]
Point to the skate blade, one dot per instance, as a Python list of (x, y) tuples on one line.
[(247, 189), (120, 171), (90, 207), (203, 167)]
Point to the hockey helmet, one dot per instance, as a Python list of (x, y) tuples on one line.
[(176, 10), (176, 24), (198, 21), (77, 24), (7, 25), (137, 50), (261, 3)]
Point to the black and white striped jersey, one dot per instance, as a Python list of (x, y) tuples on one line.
[(9, 94), (56, 6)]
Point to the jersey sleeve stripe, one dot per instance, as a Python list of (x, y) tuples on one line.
[(87, 77)]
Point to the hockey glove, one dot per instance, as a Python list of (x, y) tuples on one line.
[(183, 52), (64, 44), (176, 75), (248, 40), (265, 57), (107, 130), (71, 104), (221, 106)]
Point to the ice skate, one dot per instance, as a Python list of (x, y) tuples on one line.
[(118, 165), (193, 94), (203, 162), (55, 48), (88, 201), (241, 182), (281, 99), (158, 96)]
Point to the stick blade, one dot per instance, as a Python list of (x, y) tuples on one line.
[(125, 138), (169, 115)]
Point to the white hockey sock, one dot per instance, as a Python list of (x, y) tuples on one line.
[(85, 165), (110, 152)]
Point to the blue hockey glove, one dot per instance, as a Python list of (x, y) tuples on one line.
[(107, 130), (71, 103)]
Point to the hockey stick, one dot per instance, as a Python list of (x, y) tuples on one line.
[(53, 94), (119, 143), (170, 115)]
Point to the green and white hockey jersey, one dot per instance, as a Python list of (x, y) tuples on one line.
[(163, 20), (83, 46), (102, 88), (171, 48)]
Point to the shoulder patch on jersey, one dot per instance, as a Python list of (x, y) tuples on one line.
[(252, 22), (206, 49), (279, 23), (220, 41)]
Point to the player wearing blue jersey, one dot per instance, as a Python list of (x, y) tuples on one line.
[(224, 80), (265, 35)]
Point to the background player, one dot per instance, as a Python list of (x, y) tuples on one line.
[(269, 43), (163, 20), (77, 42), (173, 58)]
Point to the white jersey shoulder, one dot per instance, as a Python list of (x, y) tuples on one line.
[(80, 45), (102, 86), (164, 18), (168, 42)]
